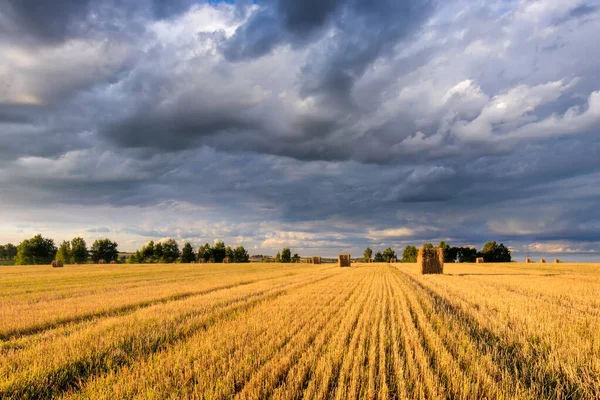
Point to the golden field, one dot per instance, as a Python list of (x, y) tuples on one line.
[(287, 331)]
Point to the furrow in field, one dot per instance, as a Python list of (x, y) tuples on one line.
[(315, 373), (226, 357), (348, 371), (455, 380), (424, 383), (44, 316), (514, 357), (99, 350), (480, 369), (395, 355), (317, 329)]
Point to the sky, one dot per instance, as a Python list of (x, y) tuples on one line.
[(325, 126)]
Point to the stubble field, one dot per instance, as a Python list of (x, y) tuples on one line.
[(290, 331)]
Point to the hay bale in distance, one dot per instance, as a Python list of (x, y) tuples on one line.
[(479, 260), (528, 261), (316, 260), (542, 261), (113, 262), (393, 260), (557, 261), (431, 260), (226, 260), (101, 262), (56, 264), (344, 260)]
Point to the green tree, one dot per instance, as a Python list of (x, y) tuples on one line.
[(278, 257), (204, 252), (64, 253), (409, 255), (286, 255), (493, 252), (148, 252), (388, 254), (295, 258), (187, 253), (368, 254), (218, 252), (79, 251), (11, 251), (158, 252), (171, 251), (427, 245), (379, 257), (135, 258), (241, 255), (230, 254), (35, 251), (104, 249), (3, 255)]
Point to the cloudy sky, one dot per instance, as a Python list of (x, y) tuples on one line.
[(322, 125)]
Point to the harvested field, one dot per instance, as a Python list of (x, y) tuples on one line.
[(284, 331)]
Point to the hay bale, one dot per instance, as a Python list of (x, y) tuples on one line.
[(56, 264), (479, 260), (226, 260), (315, 260), (113, 262), (528, 261), (393, 260), (542, 261), (431, 260), (101, 262), (344, 260), (557, 261)]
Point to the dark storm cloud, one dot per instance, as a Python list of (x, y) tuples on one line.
[(55, 21), (332, 121)]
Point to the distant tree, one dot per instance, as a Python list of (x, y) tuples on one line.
[(241, 255), (148, 252), (467, 254), (367, 254), (171, 251), (428, 245), (3, 255), (104, 249), (388, 254), (218, 252), (204, 252), (64, 253), (379, 257), (135, 258), (187, 253), (158, 252), (409, 255), (36, 250), (278, 257), (11, 251), (295, 258), (286, 255), (493, 252), (79, 251), (230, 254)]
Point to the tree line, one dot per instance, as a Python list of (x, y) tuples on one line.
[(285, 256), (168, 252), (491, 252), (40, 250)]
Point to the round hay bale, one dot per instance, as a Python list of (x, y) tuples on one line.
[(431, 260), (113, 262), (53, 263), (542, 261)]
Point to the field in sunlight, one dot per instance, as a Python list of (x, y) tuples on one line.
[(296, 330)]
